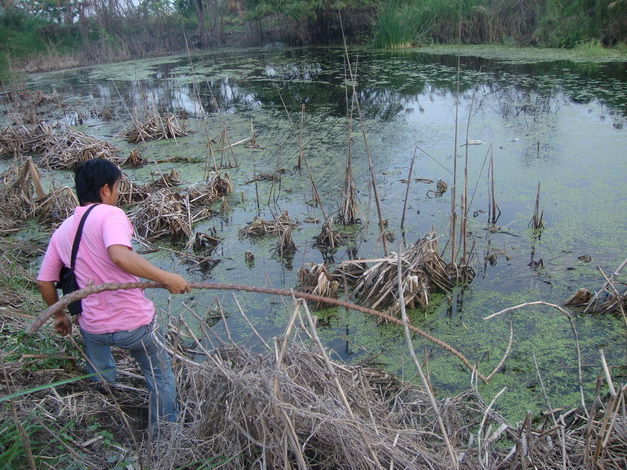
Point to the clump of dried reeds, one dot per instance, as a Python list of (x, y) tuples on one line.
[(22, 197), (135, 159), (153, 127), (276, 227), (423, 271), (166, 213), (11, 141), (19, 140), (285, 246), (71, 147), (279, 414), (295, 408), (349, 272), (292, 407), (165, 180), (209, 192), (129, 192), (40, 98), (205, 241), (612, 297), (162, 213), (328, 237), (317, 281), (56, 206)]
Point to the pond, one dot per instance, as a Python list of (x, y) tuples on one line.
[(549, 122)]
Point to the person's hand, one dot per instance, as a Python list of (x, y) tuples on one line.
[(176, 284), (63, 324)]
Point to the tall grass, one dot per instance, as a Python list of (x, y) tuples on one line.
[(400, 25), (548, 23), (22, 34)]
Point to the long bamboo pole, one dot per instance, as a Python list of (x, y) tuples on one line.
[(83, 293)]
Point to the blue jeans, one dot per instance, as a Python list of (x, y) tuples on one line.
[(153, 360)]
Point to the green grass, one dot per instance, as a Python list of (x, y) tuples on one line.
[(554, 23), (13, 441), (20, 36), (399, 25)]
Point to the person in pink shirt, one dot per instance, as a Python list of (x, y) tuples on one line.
[(123, 318)]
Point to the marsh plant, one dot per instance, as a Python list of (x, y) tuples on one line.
[(401, 24), (553, 23)]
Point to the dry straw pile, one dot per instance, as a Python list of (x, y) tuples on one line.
[(169, 213), (22, 197), (260, 227), (61, 149), (423, 271), (317, 281), (288, 405), (153, 127), (70, 147)]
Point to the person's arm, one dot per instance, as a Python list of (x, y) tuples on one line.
[(62, 321), (126, 259)]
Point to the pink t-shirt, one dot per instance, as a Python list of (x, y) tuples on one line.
[(110, 311)]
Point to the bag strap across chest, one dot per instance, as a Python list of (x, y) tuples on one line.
[(77, 237)]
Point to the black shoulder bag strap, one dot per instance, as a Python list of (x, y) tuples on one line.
[(67, 279), (77, 237)]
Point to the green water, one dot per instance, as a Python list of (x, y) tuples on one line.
[(544, 118)]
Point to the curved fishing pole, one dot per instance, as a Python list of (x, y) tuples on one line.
[(89, 290)]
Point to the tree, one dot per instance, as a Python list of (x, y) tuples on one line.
[(304, 9)]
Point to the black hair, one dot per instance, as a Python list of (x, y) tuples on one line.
[(92, 175)]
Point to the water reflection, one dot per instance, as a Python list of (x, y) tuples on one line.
[(387, 84)]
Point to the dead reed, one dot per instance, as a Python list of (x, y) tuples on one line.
[(19, 140), (423, 272), (66, 149), (165, 180), (22, 197), (209, 192), (317, 281), (135, 160), (153, 127), (129, 192), (285, 246), (328, 237), (276, 227), (294, 407), (536, 220), (611, 298), (163, 212)]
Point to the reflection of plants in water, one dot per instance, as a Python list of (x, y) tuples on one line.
[(387, 83), (512, 103)]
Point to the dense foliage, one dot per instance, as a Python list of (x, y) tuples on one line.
[(548, 23), (100, 30)]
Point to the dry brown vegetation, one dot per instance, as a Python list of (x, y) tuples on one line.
[(167, 213), (276, 227), (22, 197), (61, 149), (153, 127), (317, 281), (294, 407), (423, 272)]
